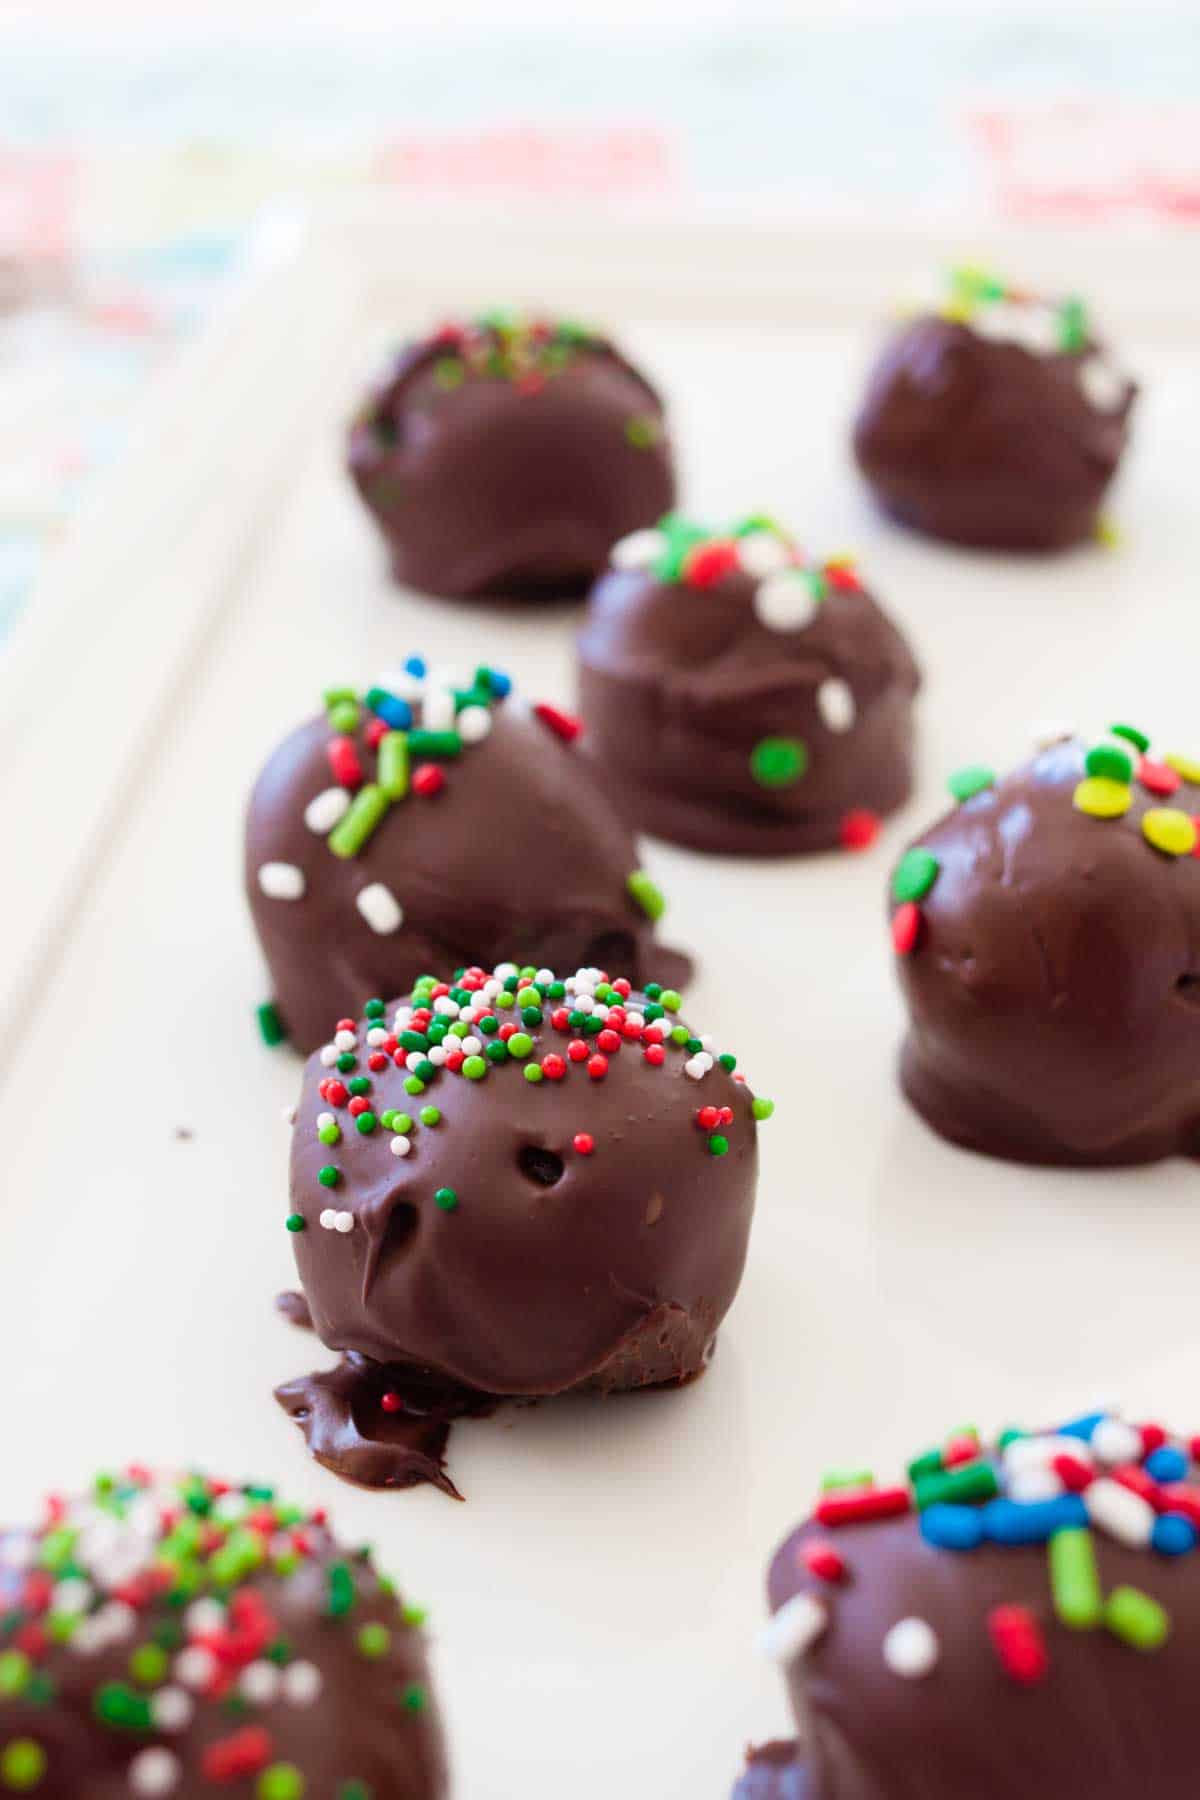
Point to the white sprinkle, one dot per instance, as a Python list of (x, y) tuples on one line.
[(474, 723), (785, 602), (17, 1550), (328, 1218), (281, 881), (71, 1596), (835, 701), (329, 1054), (259, 1682), (343, 1222), (1123, 1514), (794, 1629), (413, 1061), (1030, 324), (301, 1683), (171, 1709), (118, 1621), (345, 1040), (1113, 1441), (911, 1649), (195, 1667), (446, 1006), (380, 908), (1030, 1484), (697, 1065), (401, 1146), (638, 550), (232, 1507), (325, 1119), (470, 1046), (154, 1772), (203, 1617), (288, 1115), (437, 1055), (763, 553), (1104, 385), (437, 710), (403, 683), (1040, 1452), (377, 1035), (1051, 732), (544, 977), (323, 812)]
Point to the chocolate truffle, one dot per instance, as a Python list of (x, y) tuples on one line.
[(1048, 940), (511, 1185), (424, 824), (181, 1637), (1007, 1622), (740, 697), (995, 419), (501, 457)]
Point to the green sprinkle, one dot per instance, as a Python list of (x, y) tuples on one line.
[(360, 1085), (679, 1035), (329, 1176), (653, 990), (727, 1062), (354, 1790), (489, 1025), (374, 1009), (425, 1070), (647, 893), (148, 1665), (15, 1671), (374, 1640), (366, 1123), (915, 874), (388, 1119), (343, 716), (964, 784), (520, 1044), (392, 768), (671, 1001), (929, 1463), (1137, 1619), (330, 1134), (446, 1199), (1011, 1435), (429, 1115), (448, 372), (965, 1486), (836, 1479), (778, 761), (1072, 325), (118, 1705), (401, 1123), (1132, 735), (533, 1072), (1075, 1580), (497, 1052), (1109, 763), (643, 431), (412, 1698), (282, 1781), (762, 1109), (341, 1591), (358, 822), (474, 1068), (270, 1024), (434, 743), (415, 1616), (346, 1061), (331, 696), (718, 1145), (413, 1040), (22, 1764), (414, 1085)]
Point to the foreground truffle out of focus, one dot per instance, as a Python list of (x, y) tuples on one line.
[(995, 419), (1047, 932), (175, 1636), (511, 1185), (742, 697), (501, 456), (1010, 1619)]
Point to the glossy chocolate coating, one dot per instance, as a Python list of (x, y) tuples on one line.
[(986, 442), (678, 684), (1107, 1722), (521, 854), (288, 1677), (500, 487), (1054, 991), (557, 1267)]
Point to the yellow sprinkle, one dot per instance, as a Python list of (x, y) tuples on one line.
[(1108, 533), (1185, 766), (1170, 830), (1102, 798), (960, 312), (848, 559)]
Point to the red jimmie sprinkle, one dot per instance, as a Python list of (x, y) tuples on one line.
[(345, 1025), (708, 563), (564, 724), (822, 1560), (708, 1118), (655, 1055), (857, 1504), (360, 1104), (597, 1067), (1018, 1642), (858, 829), (1153, 1438), (391, 1401), (337, 1093), (1130, 1476), (577, 1050), (377, 1060), (1073, 1472), (906, 928), (553, 1067), (1182, 1498), (343, 760), (377, 729), (244, 1753), (842, 578), (1157, 778), (609, 1042), (428, 779), (584, 1142)]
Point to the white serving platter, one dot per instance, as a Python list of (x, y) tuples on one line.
[(595, 1602)]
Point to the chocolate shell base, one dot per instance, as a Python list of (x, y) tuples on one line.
[(774, 1771)]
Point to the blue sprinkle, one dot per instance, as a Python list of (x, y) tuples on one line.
[(951, 1527), (500, 683), (416, 665), (1032, 1522), (392, 710), (1167, 1464), (1174, 1535), (1082, 1428)]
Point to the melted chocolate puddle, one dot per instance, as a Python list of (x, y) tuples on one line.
[(380, 1424)]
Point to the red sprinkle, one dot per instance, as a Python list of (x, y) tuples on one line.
[(1130, 1476), (560, 1018), (391, 1402), (842, 577), (1153, 1438), (377, 1060), (622, 987), (584, 1143), (655, 1055), (852, 1505), (347, 770), (858, 829), (564, 724), (1073, 1472), (337, 1093), (360, 1104), (708, 1118), (822, 1560), (609, 1042), (597, 1067), (428, 779), (1018, 1642), (553, 1067), (708, 563), (906, 928), (507, 1031), (1183, 1499), (577, 1050), (454, 1061), (960, 1450), (1157, 778), (244, 1753), (376, 729)]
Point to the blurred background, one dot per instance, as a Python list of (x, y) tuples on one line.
[(151, 156)]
